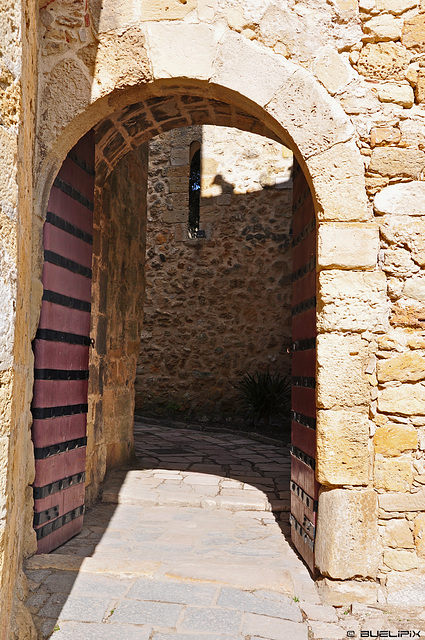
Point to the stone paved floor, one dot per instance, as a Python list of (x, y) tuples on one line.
[(191, 543)]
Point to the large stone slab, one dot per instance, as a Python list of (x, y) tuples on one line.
[(347, 542), (348, 245), (352, 301), (342, 448), (393, 439), (341, 381)]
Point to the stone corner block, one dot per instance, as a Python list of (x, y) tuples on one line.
[(342, 448), (339, 184), (352, 301), (347, 542), (340, 593), (341, 363), (348, 245)]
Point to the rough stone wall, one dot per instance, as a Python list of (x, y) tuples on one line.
[(216, 307), (17, 127), (119, 242)]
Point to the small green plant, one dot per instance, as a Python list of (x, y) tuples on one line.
[(264, 395), (57, 628), (296, 599)]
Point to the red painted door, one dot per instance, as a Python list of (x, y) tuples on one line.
[(61, 352), (304, 487)]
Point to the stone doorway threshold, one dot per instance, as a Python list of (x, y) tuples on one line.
[(192, 542)]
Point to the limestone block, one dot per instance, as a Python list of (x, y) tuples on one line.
[(406, 399), (179, 50), (342, 448), (238, 59), (339, 186), (393, 439), (401, 94), (407, 313), (407, 231), (67, 92), (400, 559), (7, 319), (383, 28), (352, 301), (348, 246), (406, 589), (347, 542), (331, 70), (383, 61), (118, 16), (413, 35), (341, 593), (419, 533), (8, 154), (402, 501), (341, 382), (412, 133), (393, 474), (398, 262), (406, 367), (398, 534), (313, 119), (395, 7), (120, 59), (393, 161), (420, 87), (384, 135)]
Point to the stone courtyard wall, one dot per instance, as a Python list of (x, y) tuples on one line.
[(219, 306), (342, 85)]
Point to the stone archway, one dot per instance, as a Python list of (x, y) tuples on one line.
[(271, 95)]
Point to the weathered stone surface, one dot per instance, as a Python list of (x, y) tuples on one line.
[(398, 262), (406, 367), (352, 301), (402, 501), (401, 94), (406, 589), (419, 534), (420, 87), (384, 135), (415, 288), (407, 231), (406, 399), (408, 314), (398, 534), (347, 542), (347, 246), (339, 184), (172, 47), (413, 35), (341, 381), (393, 439), (393, 474), (395, 6), (383, 61), (331, 70), (407, 198), (393, 161), (400, 559), (383, 28), (302, 104), (339, 593), (342, 448)]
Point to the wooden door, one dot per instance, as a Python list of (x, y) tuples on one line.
[(304, 487), (61, 352)]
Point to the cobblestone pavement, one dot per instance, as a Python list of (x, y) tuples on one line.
[(191, 543)]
